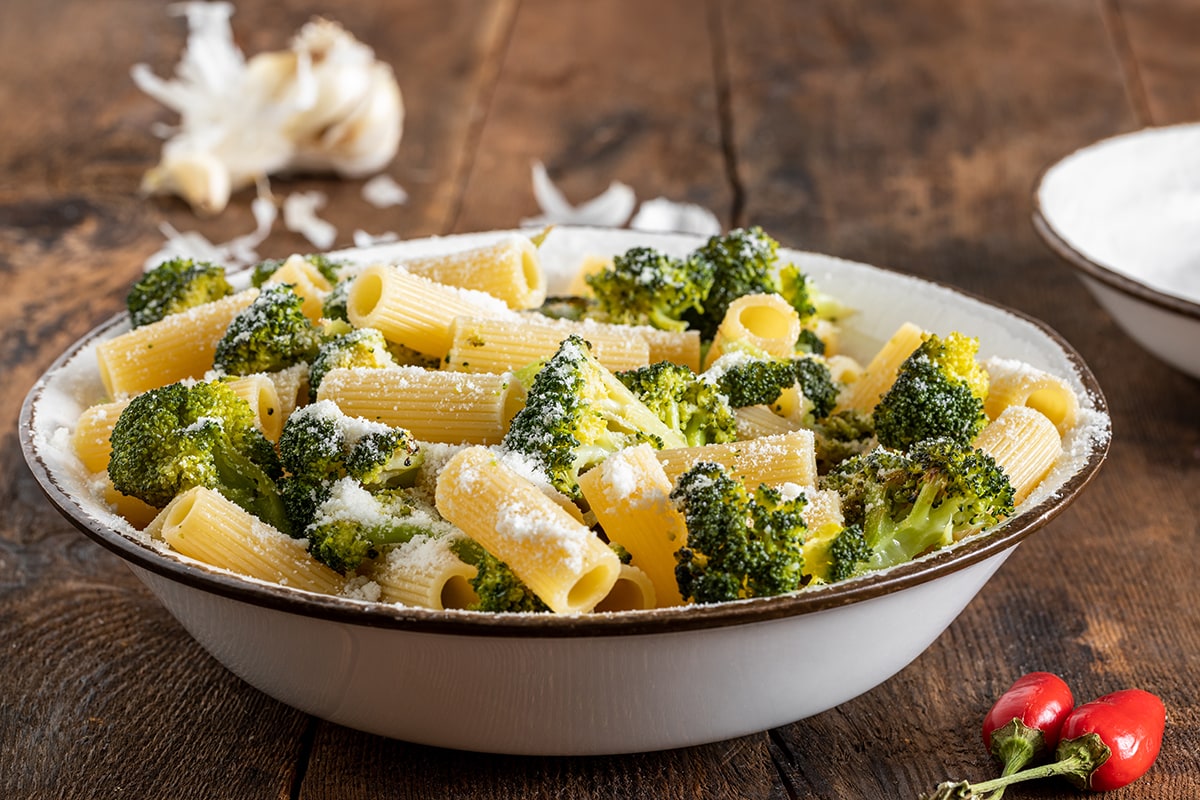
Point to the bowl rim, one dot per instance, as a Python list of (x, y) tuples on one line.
[(1061, 245), (971, 550)]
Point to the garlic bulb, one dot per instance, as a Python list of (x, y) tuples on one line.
[(324, 105)]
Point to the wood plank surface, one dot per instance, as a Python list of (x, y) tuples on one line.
[(905, 134)]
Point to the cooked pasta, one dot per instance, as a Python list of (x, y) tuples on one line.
[(773, 460), (174, 348), (486, 344), (435, 406), (764, 322), (425, 572), (412, 310), (1024, 443), (863, 395), (560, 559), (629, 492), (508, 269), (1016, 384), (633, 591), (307, 281), (203, 525)]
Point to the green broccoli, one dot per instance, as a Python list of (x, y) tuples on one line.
[(745, 261), (577, 413), (176, 437), (809, 342), (346, 481), (271, 334), (910, 502), (328, 268), (498, 587), (684, 401), (568, 307), (357, 347), (335, 305), (841, 435), (646, 287), (740, 543), (174, 286), (817, 386), (834, 553), (939, 391), (352, 525), (750, 380)]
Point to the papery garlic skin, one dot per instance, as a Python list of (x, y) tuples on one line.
[(326, 104)]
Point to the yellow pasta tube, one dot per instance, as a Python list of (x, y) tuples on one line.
[(763, 322), (307, 281), (560, 559), (482, 344), (755, 421), (1026, 445), (136, 512), (633, 591), (435, 406), (509, 269), (174, 348), (1023, 385), (629, 492), (591, 265), (880, 373), (823, 507), (773, 460), (92, 434), (424, 572), (260, 394), (414, 311), (203, 525)]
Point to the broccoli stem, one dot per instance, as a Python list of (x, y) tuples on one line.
[(246, 484)]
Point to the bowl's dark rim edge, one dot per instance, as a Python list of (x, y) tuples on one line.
[(970, 551), (1062, 247)]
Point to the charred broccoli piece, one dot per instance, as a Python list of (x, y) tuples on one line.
[(577, 413), (684, 401), (907, 503), (840, 436), (739, 543), (174, 286), (271, 334), (646, 287), (177, 437), (939, 391)]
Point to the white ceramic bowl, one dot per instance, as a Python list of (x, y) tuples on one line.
[(605, 683), (1125, 213)]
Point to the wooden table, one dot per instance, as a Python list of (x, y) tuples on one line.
[(906, 134)]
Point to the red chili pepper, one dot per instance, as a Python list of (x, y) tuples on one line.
[(1106, 744), (1026, 720)]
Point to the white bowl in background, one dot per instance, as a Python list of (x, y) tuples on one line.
[(601, 683), (1125, 213)]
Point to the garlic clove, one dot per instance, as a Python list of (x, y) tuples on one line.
[(199, 178)]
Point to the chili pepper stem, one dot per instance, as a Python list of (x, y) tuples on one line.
[(1079, 758)]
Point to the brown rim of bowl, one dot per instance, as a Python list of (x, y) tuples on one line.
[(1106, 275), (971, 550)]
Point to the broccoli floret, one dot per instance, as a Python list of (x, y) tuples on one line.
[(498, 587), (176, 437), (909, 502), (848, 553), (809, 342), (646, 287), (328, 268), (577, 413), (359, 347), (842, 435), (352, 524), (271, 334), (346, 482), (174, 286), (688, 404), (739, 543), (747, 380), (939, 391), (568, 307), (817, 386), (744, 261), (335, 305)]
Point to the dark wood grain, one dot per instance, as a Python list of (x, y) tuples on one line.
[(907, 134)]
